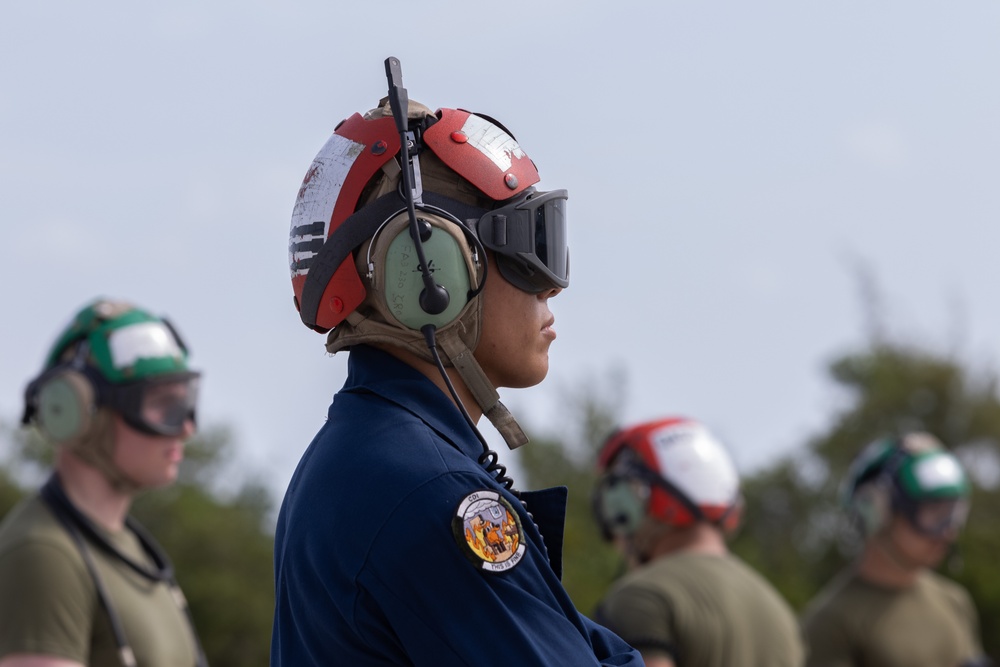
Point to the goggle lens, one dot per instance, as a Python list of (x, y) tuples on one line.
[(158, 407), (530, 240), (939, 518)]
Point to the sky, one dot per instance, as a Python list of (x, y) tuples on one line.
[(737, 171)]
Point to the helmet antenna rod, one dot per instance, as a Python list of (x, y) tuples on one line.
[(434, 298)]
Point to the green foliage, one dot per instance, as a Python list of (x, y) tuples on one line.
[(794, 531), (787, 529), (10, 492), (589, 564), (221, 551), (223, 563)]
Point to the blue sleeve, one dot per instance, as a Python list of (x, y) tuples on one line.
[(445, 608), (609, 647)]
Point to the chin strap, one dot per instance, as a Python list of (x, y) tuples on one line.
[(483, 391)]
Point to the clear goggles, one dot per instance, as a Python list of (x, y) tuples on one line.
[(939, 518), (157, 406), (529, 238)]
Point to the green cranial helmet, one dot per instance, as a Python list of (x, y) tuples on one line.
[(125, 343), (913, 471), (121, 357)]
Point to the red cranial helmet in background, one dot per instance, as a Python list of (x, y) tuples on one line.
[(672, 471)]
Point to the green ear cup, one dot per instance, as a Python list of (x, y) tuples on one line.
[(869, 515), (404, 280), (65, 406), (621, 509)]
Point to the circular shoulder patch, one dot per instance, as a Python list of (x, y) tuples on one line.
[(488, 531)]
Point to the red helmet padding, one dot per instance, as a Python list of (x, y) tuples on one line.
[(473, 163), (344, 292)]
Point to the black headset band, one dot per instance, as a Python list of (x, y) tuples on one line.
[(887, 472), (358, 228), (676, 492)]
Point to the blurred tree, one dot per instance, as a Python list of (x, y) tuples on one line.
[(796, 533), (10, 492), (217, 534), (221, 550), (593, 408)]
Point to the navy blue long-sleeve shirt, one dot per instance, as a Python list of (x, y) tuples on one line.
[(395, 547)]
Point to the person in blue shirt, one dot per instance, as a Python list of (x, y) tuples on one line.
[(419, 243)]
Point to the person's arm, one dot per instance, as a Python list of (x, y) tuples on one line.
[(446, 609), (46, 602), (641, 616), (25, 660), (651, 661), (828, 643)]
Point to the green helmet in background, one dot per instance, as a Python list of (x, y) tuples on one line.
[(913, 475), (116, 355), (125, 343)]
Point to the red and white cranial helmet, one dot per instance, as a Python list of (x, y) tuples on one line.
[(333, 216), (682, 472)]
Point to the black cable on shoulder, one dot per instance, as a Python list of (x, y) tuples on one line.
[(489, 459), (434, 298)]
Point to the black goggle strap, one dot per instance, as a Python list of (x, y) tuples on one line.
[(176, 334), (517, 231), (363, 224)]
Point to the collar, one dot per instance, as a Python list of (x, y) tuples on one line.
[(371, 370)]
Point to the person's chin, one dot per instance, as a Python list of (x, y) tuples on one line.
[(936, 556), (538, 373), (169, 477)]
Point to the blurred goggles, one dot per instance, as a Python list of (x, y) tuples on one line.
[(939, 518), (157, 406), (529, 238)]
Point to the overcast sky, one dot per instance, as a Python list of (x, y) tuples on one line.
[(730, 166)]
